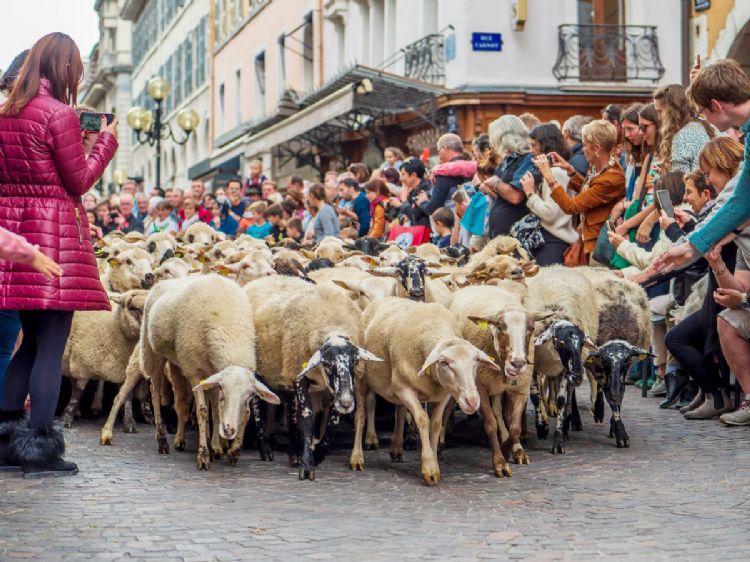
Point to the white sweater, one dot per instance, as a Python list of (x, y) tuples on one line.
[(553, 219)]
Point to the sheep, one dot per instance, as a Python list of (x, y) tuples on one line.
[(318, 263), (330, 248), (99, 348), (174, 268), (222, 251), (499, 245), (290, 268), (131, 269), (363, 287), (411, 271), (496, 322), (199, 235), (432, 363), (624, 336), (301, 327), (392, 256), (161, 246), (367, 245), (360, 262), (561, 339), (247, 266), (187, 324)]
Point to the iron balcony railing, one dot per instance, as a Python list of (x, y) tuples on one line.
[(423, 60), (607, 53)]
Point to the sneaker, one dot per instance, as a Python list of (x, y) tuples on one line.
[(659, 388), (741, 416)]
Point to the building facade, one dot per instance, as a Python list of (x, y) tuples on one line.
[(170, 39), (721, 29), (106, 85)]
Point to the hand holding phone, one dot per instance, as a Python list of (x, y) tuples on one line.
[(93, 121), (665, 203), (611, 225)]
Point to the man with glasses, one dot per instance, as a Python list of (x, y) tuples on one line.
[(450, 148)]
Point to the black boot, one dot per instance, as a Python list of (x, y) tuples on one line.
[(39, 452), (675, 381), (10, 422)]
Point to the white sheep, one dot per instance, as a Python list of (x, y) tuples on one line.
[(161, 246), (99, 347), (247, 266), (130, 269), (496, 322), (188, 324), (424, 359), (199, 235), (307, 346)]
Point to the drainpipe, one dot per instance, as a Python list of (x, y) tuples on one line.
[(320, 42), (687, 62)]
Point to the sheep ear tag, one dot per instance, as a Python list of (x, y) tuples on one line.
[(309, 365), (483, 324)]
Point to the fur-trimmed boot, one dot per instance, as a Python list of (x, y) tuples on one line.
[(10, 422), (39, 452)]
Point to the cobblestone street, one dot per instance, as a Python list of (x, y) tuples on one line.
[(679, 492)]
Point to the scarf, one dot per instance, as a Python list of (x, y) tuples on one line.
[(373, 204)]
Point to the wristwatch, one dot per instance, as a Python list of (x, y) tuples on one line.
[(744, 302)]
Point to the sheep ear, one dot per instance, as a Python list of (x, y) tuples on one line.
[(539, 316), (482, 323), (486, 360), (114, 262), (432, 358), (387, 271), (364, 355), (353, 253), (641, 353), (265, 394), (308, 254), (348, 285), (545, 336), (589, 344), (348, 246), (435, 273), (210, 382), (310, 365), (196, 270), (411, 249), (220, 268), (592, 358)]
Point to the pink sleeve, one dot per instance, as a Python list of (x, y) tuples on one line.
[(78, 173), (15, 248), (465, 168)]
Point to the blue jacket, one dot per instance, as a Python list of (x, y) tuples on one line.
[(362, 208)]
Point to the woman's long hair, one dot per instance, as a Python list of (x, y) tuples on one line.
[(677, 113), (550, 139), (630, 113), (648, 112), (54, 57)]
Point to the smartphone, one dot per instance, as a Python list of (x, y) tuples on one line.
[(611, 225), (549, 161), (697, 61), (665, 203), (91, 121)]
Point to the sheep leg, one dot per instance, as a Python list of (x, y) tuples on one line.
[(616, 425), (436, 423), (575, 415), (79, 385), (396, 450), (128, 422), (599, 405), (497, 411), (364, 406), (132, 377), (143, 392), (153, 367), (514, 410), (182, 395), (447, 421), (233, 453), (321, 449), (371, 436), (558, 444), (217, 445), (594, 386), (542, 427), (96, 403), (293, 429), (203, 459), (524, 425), (306, 422), (410, 440), (553, 391), (490, 428), (430, 468), (264, 447)]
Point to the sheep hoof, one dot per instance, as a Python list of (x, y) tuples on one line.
[(397, 456), (130, 428), (163, 445), (520, 457), (542, 430), (67, 421), (371, 443), (410, 443), (621, 435), (431, 476), (105, 439), (179, 444), (265, 450), (233, 456), (503, 470), (304, 474), (293, 461), (357, 462), (203, 460), (558, 445)]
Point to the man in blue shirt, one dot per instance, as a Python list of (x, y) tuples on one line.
[(350, 191)]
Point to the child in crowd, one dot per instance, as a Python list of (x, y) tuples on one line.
[(256, 179), (190, 208), (459, 235), (294, 230), (261, 227), (442, 220), (276, 221), (164, 221)]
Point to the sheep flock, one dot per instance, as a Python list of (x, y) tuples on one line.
[(237, 338)]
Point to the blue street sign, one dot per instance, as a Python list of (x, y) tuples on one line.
[(487, 41)]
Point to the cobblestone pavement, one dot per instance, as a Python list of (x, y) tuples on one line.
[(679, 492)]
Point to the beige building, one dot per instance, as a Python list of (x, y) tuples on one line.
[(721, 29)]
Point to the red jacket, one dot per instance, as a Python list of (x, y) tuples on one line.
[(43, 173)]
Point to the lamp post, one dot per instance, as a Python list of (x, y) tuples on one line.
[(149, 126)]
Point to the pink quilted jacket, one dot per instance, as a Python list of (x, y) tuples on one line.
[(43, 173)]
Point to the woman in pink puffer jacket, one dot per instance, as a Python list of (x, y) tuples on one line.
[(43, 173)]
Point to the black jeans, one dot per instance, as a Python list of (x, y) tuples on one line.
[(686, 341), (37, 367)]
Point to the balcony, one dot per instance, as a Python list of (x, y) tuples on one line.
[(607, 53), (423, 60)]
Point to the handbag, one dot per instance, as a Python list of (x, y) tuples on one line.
[(528, 231), (604, 252), (575, 256)]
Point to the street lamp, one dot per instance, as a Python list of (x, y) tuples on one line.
[(148, 124)]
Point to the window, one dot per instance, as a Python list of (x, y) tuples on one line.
[(308, 58), (282, 64), (260, 80), (169, 78), (187, 49), (145, 32), (221, 108), (178, 76), (377, 14), (238, 97), (200, 52)]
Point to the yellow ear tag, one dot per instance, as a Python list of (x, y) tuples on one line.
[(202, 382), (483, 324), (304, 365)]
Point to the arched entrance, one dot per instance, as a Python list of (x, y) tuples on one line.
[(740, 49)]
